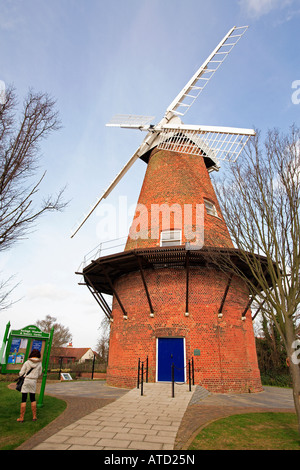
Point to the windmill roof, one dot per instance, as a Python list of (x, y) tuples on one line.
[(209, 159)]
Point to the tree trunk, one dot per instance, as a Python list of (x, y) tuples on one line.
[(294, 368), (295, 373)]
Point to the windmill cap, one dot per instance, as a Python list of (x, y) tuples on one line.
[(201, 148)]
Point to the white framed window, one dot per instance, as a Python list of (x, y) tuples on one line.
[(210, 208), (170, 238)]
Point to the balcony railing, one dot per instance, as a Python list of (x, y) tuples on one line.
[(108, 247)]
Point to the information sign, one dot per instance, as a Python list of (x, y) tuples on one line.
[(65, 376), (20, 344), (17, 346)]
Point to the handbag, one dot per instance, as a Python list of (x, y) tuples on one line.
[(20, 381)]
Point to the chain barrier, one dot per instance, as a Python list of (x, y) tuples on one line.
[(191, 376), (144, 371)]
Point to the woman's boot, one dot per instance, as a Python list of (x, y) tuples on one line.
[(22, 412), (33, 409)]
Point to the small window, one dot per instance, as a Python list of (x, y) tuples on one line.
[(170, 238), (210, 208)]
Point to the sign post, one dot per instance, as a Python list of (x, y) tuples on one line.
[(4, 344), (43, 385)]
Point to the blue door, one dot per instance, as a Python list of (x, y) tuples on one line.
[(170, 351)]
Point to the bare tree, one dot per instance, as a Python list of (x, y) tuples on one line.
[(61, 334), (260, 201), (19, 154), (102, 346)]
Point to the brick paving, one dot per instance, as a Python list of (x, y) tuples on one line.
[(132, 422), (99, 417), (210, 407), (77, 407)]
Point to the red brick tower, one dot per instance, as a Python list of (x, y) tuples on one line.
[(163, 321), (171, 300), (174, 184)]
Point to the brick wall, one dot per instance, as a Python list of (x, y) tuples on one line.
[(227, 360), (176, 179)]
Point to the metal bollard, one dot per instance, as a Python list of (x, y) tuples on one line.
[(173, 384), (142, 380), (138, 379)]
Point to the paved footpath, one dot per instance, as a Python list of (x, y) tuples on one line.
[(133, 422), (102, 417)]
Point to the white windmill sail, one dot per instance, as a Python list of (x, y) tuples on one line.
[(130, 121), (107, 191), (145, 145), (184, 100), (219, 143)]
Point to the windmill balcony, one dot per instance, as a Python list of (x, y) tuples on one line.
[(105, 248)]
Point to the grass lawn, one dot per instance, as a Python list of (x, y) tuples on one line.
[(250, 431), (13, 433)]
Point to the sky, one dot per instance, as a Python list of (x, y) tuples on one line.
[(98, 59)]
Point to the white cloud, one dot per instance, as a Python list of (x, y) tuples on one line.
[(257, 8), (49, 291), (10, 18)]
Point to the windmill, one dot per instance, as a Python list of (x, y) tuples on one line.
[(217, 143), (172, 303)]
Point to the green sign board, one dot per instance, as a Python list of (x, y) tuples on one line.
[(18, 345), (32, 331)]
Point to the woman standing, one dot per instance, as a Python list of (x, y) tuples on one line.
[(32, 369)]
